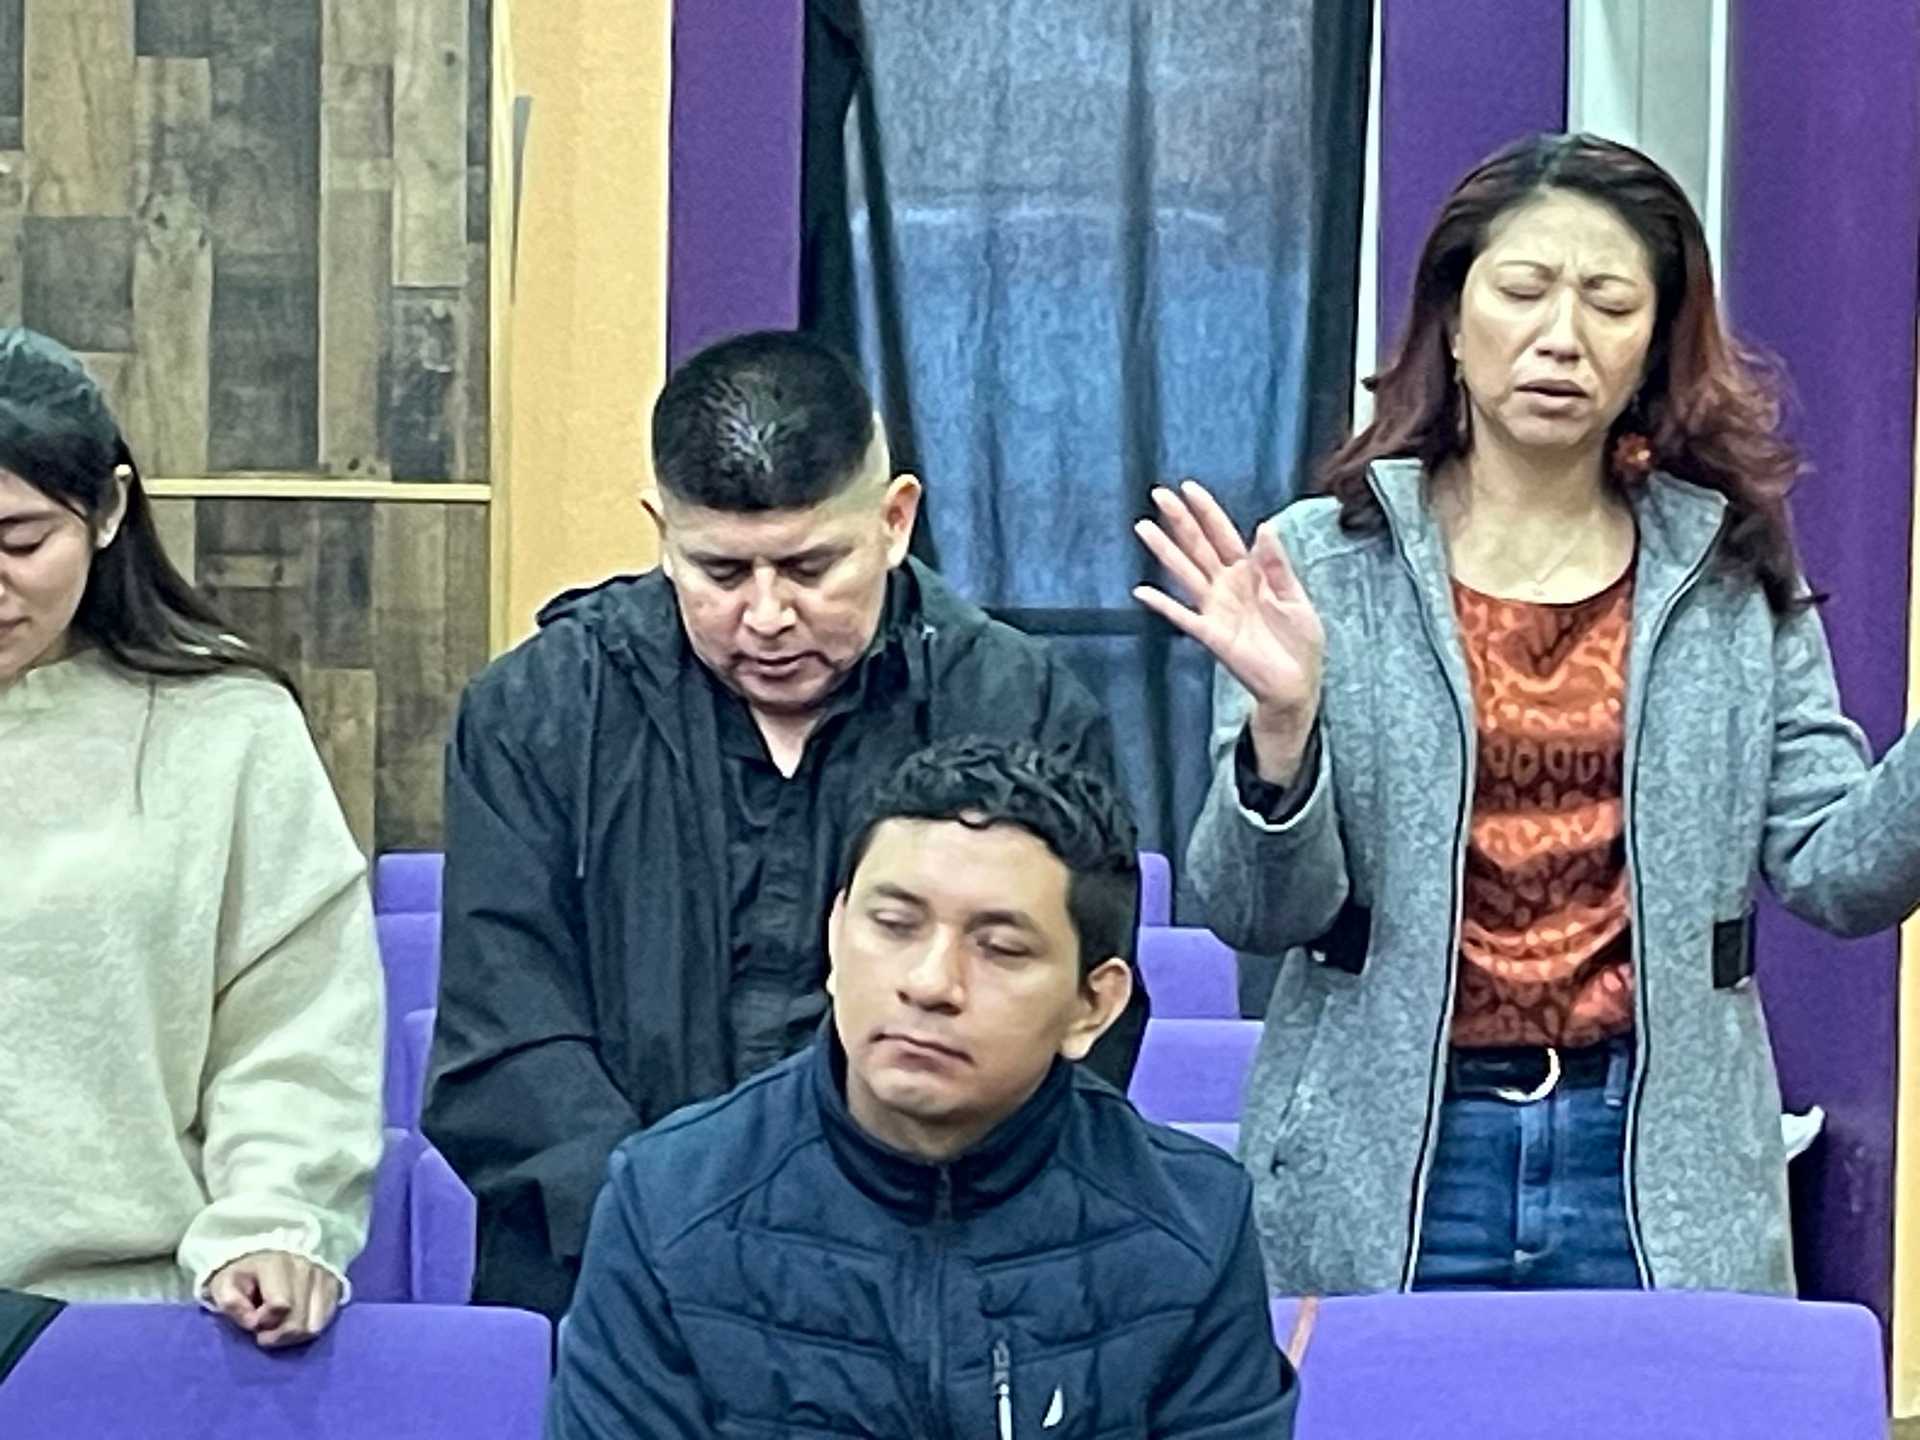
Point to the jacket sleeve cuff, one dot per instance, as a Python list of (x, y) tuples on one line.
[(209, 1261), (1269, 806)]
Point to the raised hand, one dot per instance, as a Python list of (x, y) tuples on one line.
[(1249, 609)]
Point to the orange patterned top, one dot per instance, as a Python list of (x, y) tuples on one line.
[(1544, 943)]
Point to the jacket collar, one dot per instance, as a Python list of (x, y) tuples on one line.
[(635, 621), (1678, 524), (997, 1168)]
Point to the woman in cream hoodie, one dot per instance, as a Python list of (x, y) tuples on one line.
[(190, 995)]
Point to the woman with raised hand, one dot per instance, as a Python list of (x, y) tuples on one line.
[(190, 995), (1508, 725)]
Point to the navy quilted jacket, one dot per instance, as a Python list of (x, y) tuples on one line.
[(759, 1266)]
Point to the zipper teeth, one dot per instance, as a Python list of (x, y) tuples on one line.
[(1003, 1388), (1435, 1091), (1630, 1153), (938, 1420)]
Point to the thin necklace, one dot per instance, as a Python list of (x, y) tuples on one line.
[(1578, 533), (1539, 581)]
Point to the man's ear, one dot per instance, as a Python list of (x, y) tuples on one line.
[(656, 508), (1103, 995), (901, 510), (836, 918)]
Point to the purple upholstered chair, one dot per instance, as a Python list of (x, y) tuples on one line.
[(421, 1238), (416, 1037), (410, 955), (1599, 1365), (1189, 973), (1194, 1069), (407, 882), (1214, 1132), (174, 1372), (409, 1049), (1156, 889)]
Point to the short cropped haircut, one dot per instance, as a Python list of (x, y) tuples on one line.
[(1074, 812), (773, 420)]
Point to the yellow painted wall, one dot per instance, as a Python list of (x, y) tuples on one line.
[(584, 334)]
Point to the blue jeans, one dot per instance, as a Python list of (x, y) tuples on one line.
[(1531, 1196)]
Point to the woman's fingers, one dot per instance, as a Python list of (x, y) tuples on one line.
[(1270, 559), (324, 1304), (1173, 612), (233, 1290), (1214, 522), (1186, 574), (1178, 519)]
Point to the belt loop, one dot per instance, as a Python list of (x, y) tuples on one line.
[(1619, 1070)]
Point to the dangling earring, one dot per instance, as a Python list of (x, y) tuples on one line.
[(1463, 407), (1632, 450)]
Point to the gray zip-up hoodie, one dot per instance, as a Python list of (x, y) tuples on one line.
[(1738, 764)]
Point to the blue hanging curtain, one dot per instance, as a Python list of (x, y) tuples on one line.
[(1081, 249)]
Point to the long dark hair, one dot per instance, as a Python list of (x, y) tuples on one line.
[(57, 434), (1709, 407)]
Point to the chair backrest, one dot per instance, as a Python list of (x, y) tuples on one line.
[(383, 1270), (174, 1372), (407, 882), (1189, 972), (400, 1091), (409, 1050), (410, 954), (1194, 1069), (1156, 889), (416, 1045), (1214, 1132), (420, 1239), (444, 1219), (1595, 1365)]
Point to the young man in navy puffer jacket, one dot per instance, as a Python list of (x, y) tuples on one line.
[(934, 1223)]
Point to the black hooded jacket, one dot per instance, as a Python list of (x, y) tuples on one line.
[(586, 959)]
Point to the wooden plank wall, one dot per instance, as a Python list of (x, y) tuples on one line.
[(380, 609), (264, 223), (267, 217)]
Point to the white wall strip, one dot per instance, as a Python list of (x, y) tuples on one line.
[(1654, 76)]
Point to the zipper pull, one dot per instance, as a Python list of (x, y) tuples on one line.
[(1003, 1387), (943, 1196)]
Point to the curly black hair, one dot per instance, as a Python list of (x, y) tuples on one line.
[(1078, 816)]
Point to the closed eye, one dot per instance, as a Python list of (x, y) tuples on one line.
[(1005, 949)]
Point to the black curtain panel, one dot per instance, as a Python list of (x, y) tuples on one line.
[(1083, 247)]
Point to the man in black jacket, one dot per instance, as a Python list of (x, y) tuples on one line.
[(646, 800), (932, 1223)]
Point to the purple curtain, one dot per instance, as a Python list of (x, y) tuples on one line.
[(733, 214), (1823, 243)]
